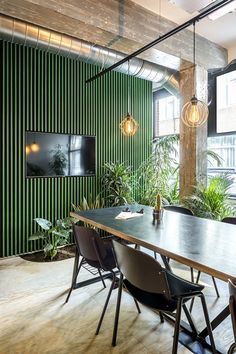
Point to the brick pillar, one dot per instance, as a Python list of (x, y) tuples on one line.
[(193, 141)]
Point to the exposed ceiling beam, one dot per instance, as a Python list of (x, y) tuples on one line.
[(172, 32)]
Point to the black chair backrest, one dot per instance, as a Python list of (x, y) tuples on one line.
[(89, 243), (178, 209), (232, 304), (230, 220), (141, 270)]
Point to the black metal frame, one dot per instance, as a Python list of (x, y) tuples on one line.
[(174, 318), (160, 39)]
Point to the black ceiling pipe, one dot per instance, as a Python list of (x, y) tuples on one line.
[(175, 30)]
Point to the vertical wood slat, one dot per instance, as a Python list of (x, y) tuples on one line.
[(45, 92)]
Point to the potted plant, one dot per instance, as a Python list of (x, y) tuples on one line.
[(116, 183), (53, 236), (211, 201)]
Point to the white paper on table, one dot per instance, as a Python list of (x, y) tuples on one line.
[(127, 215)]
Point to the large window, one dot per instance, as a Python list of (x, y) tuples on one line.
[(225, 147), (166, 114), (226, 102), (222, 101)]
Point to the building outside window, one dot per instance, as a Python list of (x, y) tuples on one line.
[(166, 115), (226, 102)]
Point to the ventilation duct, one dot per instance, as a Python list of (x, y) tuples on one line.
[(17, 31)]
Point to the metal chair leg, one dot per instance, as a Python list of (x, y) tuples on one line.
[(208, 323), (215, 286), (213, 280), (232, 349), (190, 320), (117, 311), (106, 304), (192, 275), (135, 301), (177, 326), (162, 318), (76, 270), (198, 276), (103, 282), (137, 305)]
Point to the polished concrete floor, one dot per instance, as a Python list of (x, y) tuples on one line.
[(35, 320)]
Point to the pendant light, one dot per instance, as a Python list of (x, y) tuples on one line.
[(129, 126), (195, 112)]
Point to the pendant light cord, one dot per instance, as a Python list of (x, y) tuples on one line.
[(128, 89), (194, 59)]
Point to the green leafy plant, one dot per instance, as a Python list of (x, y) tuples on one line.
[(53, 236), (211, 201), (154, 174), (117, 183), (90, 204), (59, 161)]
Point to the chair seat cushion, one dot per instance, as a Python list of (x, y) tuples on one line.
[(156, 301)]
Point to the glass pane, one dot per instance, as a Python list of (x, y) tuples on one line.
[(226, 102)]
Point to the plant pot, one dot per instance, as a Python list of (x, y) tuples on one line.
[(157, 215)]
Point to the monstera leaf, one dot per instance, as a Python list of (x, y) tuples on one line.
[(44, 223)]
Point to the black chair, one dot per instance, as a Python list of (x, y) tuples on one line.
[(232, 307), (95, 252), (157, 288), (98, 253), (230, 220), (178, 209), (186, 211)]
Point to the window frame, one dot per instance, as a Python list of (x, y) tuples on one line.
[(212, 94)]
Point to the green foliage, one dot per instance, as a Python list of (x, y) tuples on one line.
[(212, 156), (89, 204), (117, 183), (153, 175), (59, 161), (211, 201), (53, 236)]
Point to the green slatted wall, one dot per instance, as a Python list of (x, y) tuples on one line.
[(45, 92)]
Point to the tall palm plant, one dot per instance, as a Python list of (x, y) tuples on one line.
[(154, 174)]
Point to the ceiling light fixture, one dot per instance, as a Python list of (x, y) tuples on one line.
[(129, 126), (195, 112), (223, 11)]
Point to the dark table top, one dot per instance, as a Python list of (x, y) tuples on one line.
[(206, 245)]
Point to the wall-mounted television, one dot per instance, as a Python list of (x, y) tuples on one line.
[(58, 155)]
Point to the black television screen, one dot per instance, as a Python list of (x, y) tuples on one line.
[(50, 155)]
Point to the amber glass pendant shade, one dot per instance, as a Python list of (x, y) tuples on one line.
[(194, 113), (129, 126)]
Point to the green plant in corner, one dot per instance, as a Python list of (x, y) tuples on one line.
[(88, 204), (211, 201), (117, 184), (53, 236), (154, 174)]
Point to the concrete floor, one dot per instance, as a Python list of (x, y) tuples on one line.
[(35, 320)]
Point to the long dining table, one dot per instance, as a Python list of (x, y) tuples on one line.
[(203, 244)]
